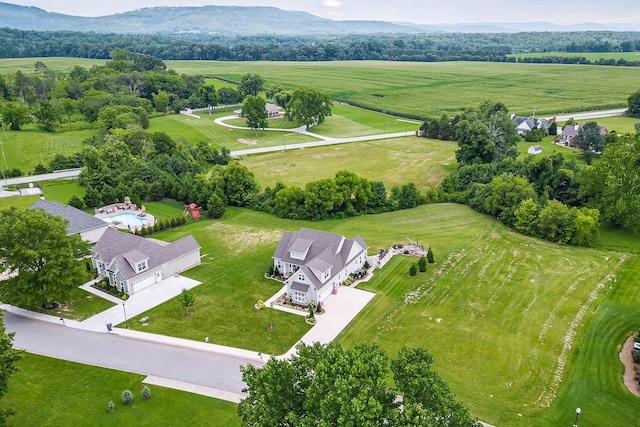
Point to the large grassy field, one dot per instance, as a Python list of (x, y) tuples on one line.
[(51, 392), (426, 89), (504, 315), (442, 87), (397, 161)]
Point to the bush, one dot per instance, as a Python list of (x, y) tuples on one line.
[(635, 354), (366, 265), (422, 264), (430, 256), (146, 392), (111, 406), (261, 304), (413, 270), (127, 397)]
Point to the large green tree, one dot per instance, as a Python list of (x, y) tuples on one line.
[(8, 358), (44, 261), (329, 386), (16, 114), (634, 104), (251, 84), (612, 183), (255, 112), (308, 106)]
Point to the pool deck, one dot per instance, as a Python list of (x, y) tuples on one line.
[(121, 208)]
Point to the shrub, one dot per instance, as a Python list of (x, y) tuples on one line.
[(413, 270), (422, 264), (127, 397), (318, 308), (635, 354), (146, 393), (261, 304), (111, 406), (430, 256), (366, 265)]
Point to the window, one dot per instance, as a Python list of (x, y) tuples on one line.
[(325, 276), (299, 296), (301, 276), (142, 266)]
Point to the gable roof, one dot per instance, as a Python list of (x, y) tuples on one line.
[(127, 249), (78, 220), (325, 251)]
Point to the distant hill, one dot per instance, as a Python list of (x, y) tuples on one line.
[(209, 20), (248, 21)]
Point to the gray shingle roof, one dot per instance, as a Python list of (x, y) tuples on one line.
[(302, 287), (119, 246), (79, 221), (327, 250)]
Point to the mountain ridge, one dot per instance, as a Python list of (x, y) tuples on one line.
[(251, 20)]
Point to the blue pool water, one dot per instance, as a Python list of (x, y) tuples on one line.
[(126, 219)]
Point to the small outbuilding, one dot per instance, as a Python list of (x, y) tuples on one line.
[(535, 149)]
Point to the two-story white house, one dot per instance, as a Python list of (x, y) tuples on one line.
[(133, 263), (316, 263)]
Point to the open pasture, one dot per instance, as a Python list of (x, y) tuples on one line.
[(425, 162), (430, 89)]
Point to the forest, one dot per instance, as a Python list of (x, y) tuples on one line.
[(388, 47)]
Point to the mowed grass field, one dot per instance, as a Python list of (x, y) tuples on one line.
[(397, 161), (504, 315)]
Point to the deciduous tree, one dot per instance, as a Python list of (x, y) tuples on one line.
[(308, 106), (251, 84), (255, 112), (34, 245)]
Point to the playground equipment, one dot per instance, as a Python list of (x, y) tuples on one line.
[(192, 210)]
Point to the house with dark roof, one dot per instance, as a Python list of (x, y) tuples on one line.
[(570, 131), (524, 125), (88, 227), (133, 263), (273, 111), (316, 263)]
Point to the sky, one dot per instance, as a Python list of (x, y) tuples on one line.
[(416, 11)]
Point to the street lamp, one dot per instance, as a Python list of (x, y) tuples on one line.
[(575, 424), (126, 325)]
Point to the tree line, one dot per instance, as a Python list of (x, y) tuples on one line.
[(390, 47), (543, 196)]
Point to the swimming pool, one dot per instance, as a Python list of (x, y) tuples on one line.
[(127, 219)]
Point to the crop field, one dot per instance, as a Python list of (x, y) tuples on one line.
[(424, 89), (425, 162), (430, 89)]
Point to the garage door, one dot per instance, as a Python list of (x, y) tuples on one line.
[(146, 282)]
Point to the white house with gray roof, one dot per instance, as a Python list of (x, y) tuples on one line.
[(133, 263), (88, 227), (316, 263)]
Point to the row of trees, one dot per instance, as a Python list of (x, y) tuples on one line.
[(406, 47)]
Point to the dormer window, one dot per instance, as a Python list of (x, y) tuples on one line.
[(141, 266), (301, 276)]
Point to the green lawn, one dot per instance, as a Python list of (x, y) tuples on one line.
[(236, 254), (80, 306), (191, 130), (393, 161), (24, 149), (52, 392)]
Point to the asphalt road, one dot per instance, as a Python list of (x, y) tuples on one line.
[(110, 350)]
